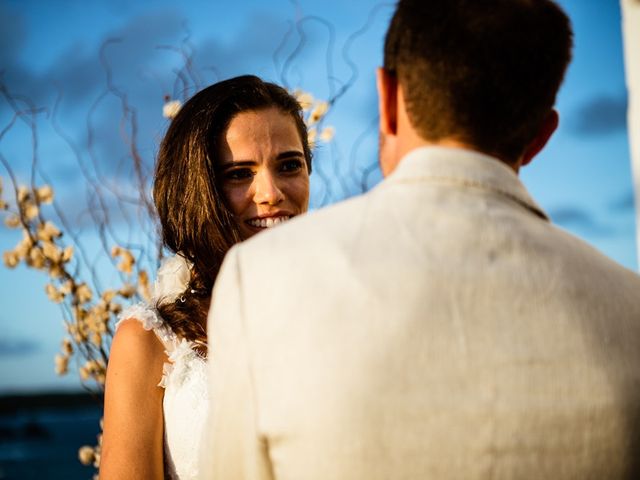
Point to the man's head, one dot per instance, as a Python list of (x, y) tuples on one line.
[(480, 73)]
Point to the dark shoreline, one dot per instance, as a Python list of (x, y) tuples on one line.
[(13, 403)]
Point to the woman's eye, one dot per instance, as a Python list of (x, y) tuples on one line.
[(289, 166), (238, 174)]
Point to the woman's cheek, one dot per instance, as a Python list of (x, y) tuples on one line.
[(236, 197), (302, 192)]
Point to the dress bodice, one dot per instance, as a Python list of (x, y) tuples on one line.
[(185, 400)]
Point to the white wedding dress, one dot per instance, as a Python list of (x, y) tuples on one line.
[(185, 401)]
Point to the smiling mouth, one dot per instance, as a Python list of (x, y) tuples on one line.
[(267, 222)]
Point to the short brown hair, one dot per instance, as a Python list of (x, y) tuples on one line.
[(485, 72)]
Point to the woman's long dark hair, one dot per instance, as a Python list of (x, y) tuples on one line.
[(194, 218)]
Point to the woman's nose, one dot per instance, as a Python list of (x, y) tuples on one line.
[(266, 189)]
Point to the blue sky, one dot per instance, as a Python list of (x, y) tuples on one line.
[(50, 51)]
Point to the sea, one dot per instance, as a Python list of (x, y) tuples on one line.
[(40, 435)]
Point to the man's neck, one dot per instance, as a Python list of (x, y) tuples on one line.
[(409, 143)]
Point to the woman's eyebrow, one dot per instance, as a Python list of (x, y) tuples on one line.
[(250, 163), (236, 163), (289, 153)]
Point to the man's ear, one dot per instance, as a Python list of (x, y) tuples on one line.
[(387, 101), (549, 125)]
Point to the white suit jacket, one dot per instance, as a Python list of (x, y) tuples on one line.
[(437, 327)]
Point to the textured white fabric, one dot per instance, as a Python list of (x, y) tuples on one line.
[(172, 279), (185, 398), (437, 327)]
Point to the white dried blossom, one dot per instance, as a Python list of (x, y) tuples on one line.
[(67, 347), (100, 307), (126, 264), (83, 293), (84, 373), (23, 193), (108, 295), (80, 337), (66, 287), (62, 364), (318, 112), (25, 245), (86, 455), (44, 194), (93, 368), (11, 259), (304, 99), (23, 249), (55, 271), (53, 293), (327, 134), (171, 108), (144, 286), (36, 258), (48, 231), (96, 339), (311, 135), (31, 211), (127, 259), (96, 461), (101, 325), (67, 254), (80, 314), (12, 221), (51, 251)]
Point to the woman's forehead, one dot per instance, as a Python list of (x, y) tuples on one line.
[(260, 132), (262, 125)]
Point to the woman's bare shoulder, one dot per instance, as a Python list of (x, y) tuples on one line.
[(137, 350)]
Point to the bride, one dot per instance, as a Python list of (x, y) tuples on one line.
[(235, 161)]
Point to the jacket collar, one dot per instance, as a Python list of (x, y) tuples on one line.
[(457, 166)]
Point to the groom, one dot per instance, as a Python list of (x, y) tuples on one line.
[(439, 326)]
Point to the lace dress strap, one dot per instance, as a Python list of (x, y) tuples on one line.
[(180, 352), (151, 320)]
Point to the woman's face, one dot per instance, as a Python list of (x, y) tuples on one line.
[(262, 170)]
